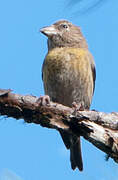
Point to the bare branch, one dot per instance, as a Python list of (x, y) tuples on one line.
[(99, 128)]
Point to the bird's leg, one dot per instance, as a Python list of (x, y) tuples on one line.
[(44, 100)]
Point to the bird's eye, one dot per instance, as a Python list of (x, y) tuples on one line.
[(64, 26)]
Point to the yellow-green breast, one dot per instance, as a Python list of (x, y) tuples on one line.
[(67, 76)]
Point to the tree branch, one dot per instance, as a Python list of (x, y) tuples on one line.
[(99, 128)]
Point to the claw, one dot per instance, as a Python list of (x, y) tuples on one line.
[(44, 100), (78, 107)]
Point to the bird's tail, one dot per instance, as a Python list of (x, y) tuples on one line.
[(72, 142), (75, 154)]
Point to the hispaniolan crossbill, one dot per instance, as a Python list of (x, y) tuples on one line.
[(68, 75)]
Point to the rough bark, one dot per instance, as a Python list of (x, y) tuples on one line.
[(99, 128)]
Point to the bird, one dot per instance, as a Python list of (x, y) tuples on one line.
[(68, 74)]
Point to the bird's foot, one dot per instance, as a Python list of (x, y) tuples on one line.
[(77, 107), (44, 100)]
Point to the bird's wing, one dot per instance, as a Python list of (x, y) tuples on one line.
[(65, 137), (42, 69), (93, 70), (94, 75)]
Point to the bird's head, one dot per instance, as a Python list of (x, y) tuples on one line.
[(64, 34)]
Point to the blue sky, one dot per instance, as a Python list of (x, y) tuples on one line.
[(30, 151)]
